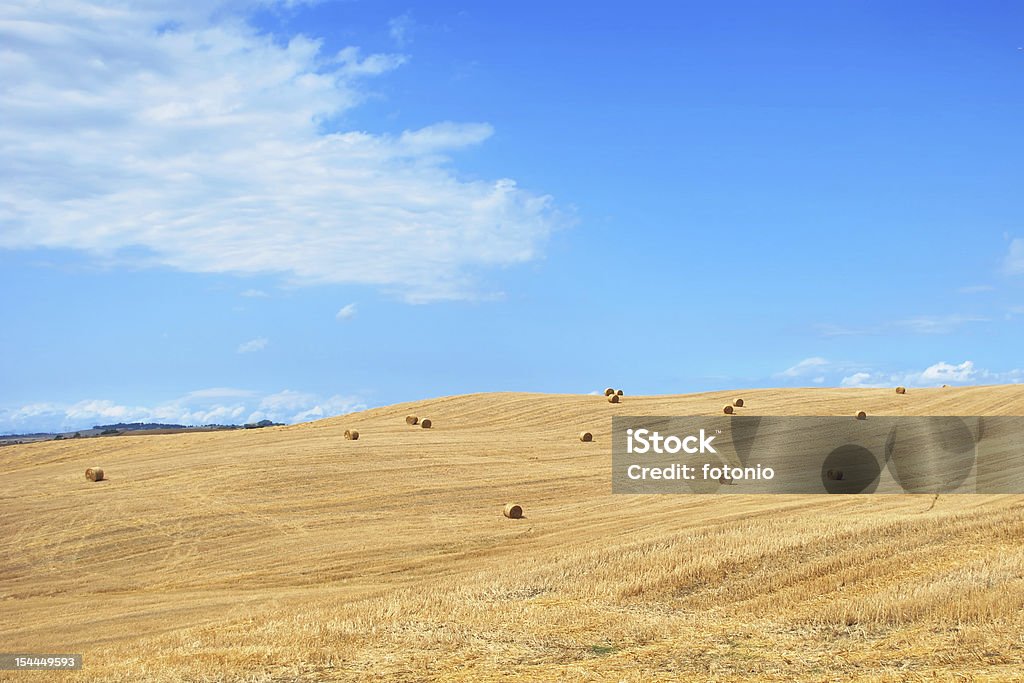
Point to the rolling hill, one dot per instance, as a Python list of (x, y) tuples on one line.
[(291, 553)]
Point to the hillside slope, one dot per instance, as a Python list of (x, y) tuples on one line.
[(290, 553)]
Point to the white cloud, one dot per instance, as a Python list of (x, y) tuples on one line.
[(944, 372), (253, 345), (205, 406), (373, 65), (158, 134), (400, 28), (1014, 263), (861, 379), (846, 374), (254, 294), (942, 324), (922, 324), (285, 401), (346, 312), (805, 367), (975, 289), (220, 392)]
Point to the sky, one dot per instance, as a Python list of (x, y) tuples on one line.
[(235, 211)]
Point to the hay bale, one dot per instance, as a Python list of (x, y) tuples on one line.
[(513, 511), (609, 391), (945, 386), (614, 398), (426, 423), (94, 474), (861, 415), (901, 390), (586, 437), (351, 435), (738, 403), (727, 410), (835, 475), (411, 419), (618, 392)]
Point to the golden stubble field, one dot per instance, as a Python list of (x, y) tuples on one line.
[(292, 554)]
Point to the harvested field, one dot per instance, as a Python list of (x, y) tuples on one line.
[(291, 554)]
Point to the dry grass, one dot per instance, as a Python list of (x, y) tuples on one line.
[(278, 555)]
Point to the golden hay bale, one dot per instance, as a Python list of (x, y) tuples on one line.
[(835, 475), (513, 511), (945, 386), (727, 410), (351, 434), (411, 419), (586, 436), (738, 403), (618, 392), (861, 415), (901, 390), (614, 398), (425, 423), (609, 391), (94, 474)]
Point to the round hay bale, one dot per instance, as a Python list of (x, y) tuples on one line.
[(609, 391), (738, 403), (351, 435), (411, 419), (727, 410), (513, 511), (94, 474), (861, 415), (835, 475), (945, 386), (586, 437), (614, 398), (618, 392), (901, 390), (426, 423)]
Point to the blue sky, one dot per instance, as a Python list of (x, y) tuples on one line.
[(291, 210)]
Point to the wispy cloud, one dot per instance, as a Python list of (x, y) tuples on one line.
[(253, 345), (346, 312), (400, 28), (1014, 262), (254, 294), (922, 324), (807, 366), (975, 289), (352, 65), (184, 136), (204, 406), (936, 324)]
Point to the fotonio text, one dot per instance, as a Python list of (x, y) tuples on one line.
[(644, 441)]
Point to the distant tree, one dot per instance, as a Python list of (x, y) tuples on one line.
[(77, 436), (58, 437)]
